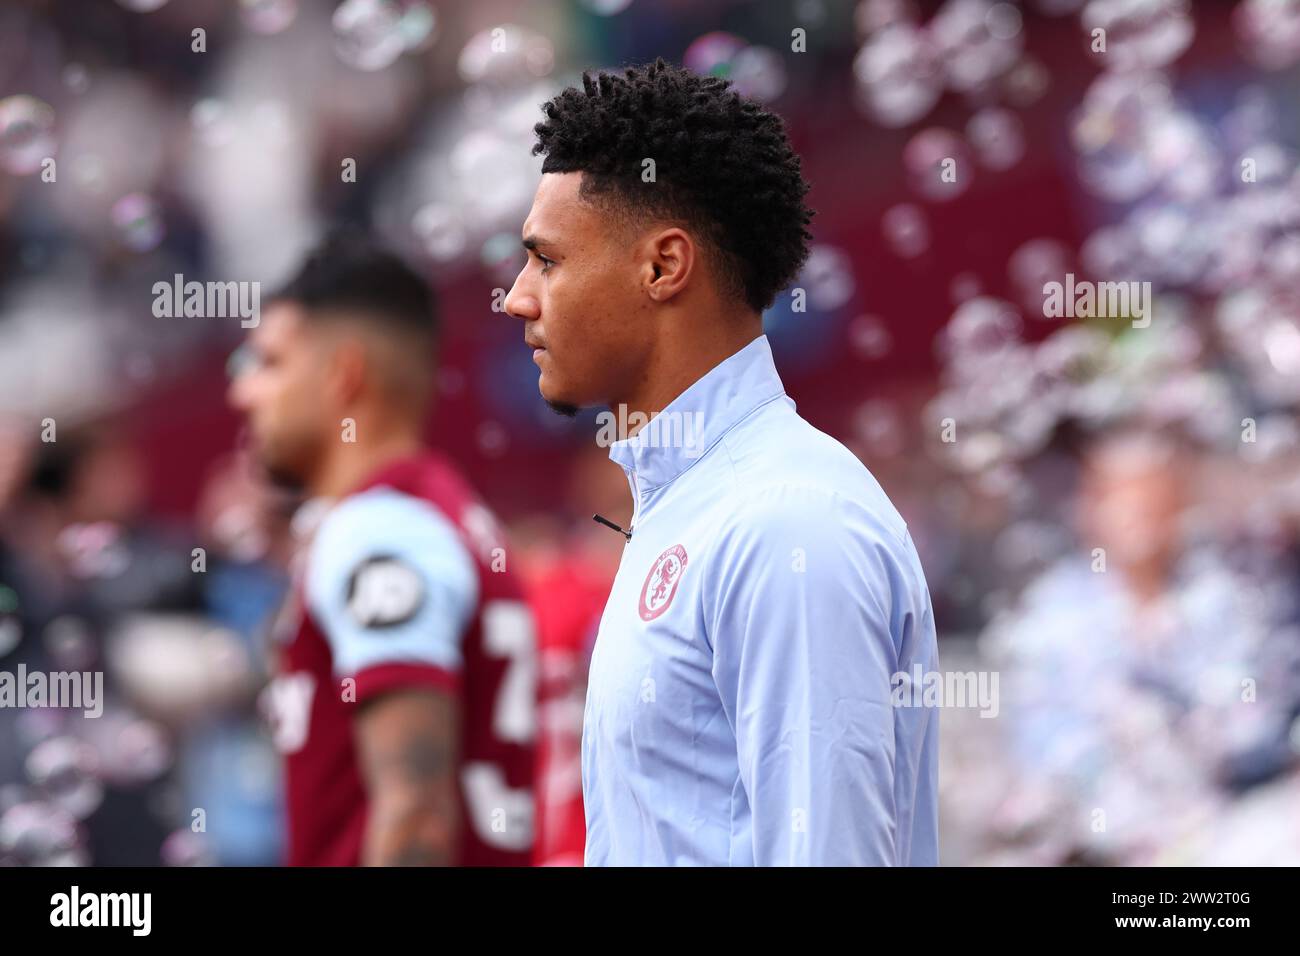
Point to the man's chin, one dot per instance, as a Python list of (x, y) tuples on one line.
[(562, 408), (281, 477), (557, 404)]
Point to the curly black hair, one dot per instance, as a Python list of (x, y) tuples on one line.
[(723, 166)]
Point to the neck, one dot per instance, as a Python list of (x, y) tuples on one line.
[(686, 360), (348, 464)]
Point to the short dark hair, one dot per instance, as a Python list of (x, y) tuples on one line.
[(723, 164), (349, 271)]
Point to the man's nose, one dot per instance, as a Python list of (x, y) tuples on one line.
[(520, 302)]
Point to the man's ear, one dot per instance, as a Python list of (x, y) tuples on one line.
[(347, 369), (670, 260)]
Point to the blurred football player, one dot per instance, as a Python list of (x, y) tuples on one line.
[(741, 704), (405, 691)]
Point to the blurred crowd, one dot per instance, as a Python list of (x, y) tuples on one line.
[(1108, 510)]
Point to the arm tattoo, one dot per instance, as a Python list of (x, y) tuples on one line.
[(410, 750)]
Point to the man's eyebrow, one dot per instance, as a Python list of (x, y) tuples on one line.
[(532, 241)]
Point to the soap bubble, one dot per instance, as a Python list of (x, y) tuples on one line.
[(63, 769), (368, 33), (26, 133)]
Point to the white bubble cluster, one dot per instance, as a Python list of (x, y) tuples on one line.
[(971, 47), (26, 133), (1010, 395), (755, 71), (40, 834), (506, 55), (63, 770), (1140, 34), (1269, 30), (371, 35), (977, 41), (898, 76)]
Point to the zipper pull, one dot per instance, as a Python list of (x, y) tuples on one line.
[(609, 524)]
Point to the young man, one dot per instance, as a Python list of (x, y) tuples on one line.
[(739, 706), (405, 689)]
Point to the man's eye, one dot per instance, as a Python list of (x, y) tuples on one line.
[(546, 263)]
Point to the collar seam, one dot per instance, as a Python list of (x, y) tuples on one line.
[(725, 432)]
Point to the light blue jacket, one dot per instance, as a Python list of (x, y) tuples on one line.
[(739, 707)]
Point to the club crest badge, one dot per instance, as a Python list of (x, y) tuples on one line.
[(661, 583)]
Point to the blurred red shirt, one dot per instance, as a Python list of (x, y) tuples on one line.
[(568, 596)]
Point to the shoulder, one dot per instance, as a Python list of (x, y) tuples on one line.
[(384, 517), (789, 478), (385, 542)]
